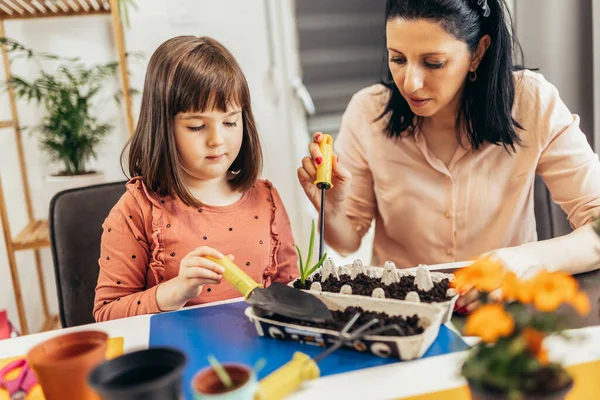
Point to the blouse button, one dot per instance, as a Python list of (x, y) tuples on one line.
[(447, 214), (449, 252)]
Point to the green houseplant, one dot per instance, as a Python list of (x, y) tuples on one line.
[(70, 132), (124, 10)]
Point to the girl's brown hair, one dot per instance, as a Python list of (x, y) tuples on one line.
[(189, 74)]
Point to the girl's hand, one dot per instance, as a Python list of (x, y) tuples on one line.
[(195, 271), (307, 174)]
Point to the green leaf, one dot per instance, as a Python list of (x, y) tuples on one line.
[(317, 265), (69, 132), (302, 277), (310, 244), (124, 10)]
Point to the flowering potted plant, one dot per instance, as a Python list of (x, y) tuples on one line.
[(510, 361)]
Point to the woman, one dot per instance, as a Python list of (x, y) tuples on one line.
[(444, 156)]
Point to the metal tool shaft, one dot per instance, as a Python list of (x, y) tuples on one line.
[(322, 223)]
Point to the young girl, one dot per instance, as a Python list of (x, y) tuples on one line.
[(195, 159)]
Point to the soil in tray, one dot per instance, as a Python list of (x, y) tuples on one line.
[(364, 285), (409, 326)]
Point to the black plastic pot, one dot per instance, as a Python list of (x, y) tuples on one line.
[(152, 374)]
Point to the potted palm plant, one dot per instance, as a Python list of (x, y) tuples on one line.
[(70, 131)]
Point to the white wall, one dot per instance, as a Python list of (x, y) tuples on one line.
[(556, 37), (240, 24)]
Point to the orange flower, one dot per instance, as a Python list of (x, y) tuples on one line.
[(581, 303), (534, 344), (485, 275), (462, 278), (490, 322), (534, 339), (511, 286), (515, 289), (525, 293), (542, 356), (568, 284), (551, 289)]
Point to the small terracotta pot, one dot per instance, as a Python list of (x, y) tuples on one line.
[(62, 364), (482, 394), (207, 385)]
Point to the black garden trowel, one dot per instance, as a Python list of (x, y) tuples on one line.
[(276, 299)]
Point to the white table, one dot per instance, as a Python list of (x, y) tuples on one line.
[(391, 381)]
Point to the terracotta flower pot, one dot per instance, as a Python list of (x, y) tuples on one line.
[(152, 374), (207, 385), (482, 394), (62, 364)]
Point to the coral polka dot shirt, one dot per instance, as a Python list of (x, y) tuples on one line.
[(145, 236)]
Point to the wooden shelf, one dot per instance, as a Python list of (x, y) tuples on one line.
[(36, 234), (27, 9), (51, 323), (33, 236)]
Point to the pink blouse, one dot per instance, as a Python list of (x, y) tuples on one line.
[(146, 236), (428, 213)]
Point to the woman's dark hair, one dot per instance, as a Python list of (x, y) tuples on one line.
[(486, 104), (189, 74)]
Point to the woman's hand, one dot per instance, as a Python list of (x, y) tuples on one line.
[(307, 174), (195, 271), (469, 300)]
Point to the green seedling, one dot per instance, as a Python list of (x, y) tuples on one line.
[(307, 270)]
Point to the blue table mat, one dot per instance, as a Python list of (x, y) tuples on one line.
[(225, 332)]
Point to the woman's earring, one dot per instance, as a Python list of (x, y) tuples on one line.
[(473, 76)]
